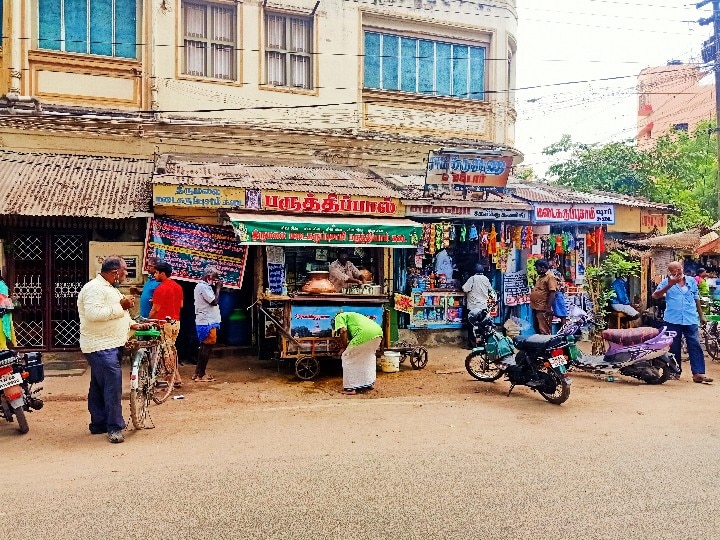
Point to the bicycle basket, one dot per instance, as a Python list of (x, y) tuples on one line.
[(499, 346), (147, 335)]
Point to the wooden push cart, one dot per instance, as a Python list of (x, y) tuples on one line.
[(305, 352)]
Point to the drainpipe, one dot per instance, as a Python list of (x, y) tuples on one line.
[(12, 98)]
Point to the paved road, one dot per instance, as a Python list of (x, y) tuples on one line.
[(620, 460)]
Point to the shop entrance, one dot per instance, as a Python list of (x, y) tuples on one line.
[(48, 270)]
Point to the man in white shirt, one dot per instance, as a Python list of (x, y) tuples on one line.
[(104, 327), (478, 291), (444, 263), (343, 271), (207, 319)]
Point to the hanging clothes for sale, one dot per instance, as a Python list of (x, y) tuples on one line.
[(492, 241), (558, 244), (600, 240), (473, 232)]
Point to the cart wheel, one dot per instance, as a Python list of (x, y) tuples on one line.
[(404, 356), (419, 358), (306, 367)]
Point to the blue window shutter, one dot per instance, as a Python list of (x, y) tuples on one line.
[(76, 23), (49, 24), (101, 27), (372, 60), (426, 67), (477, 73), (408, 65), (443, 69), (126, 28), (460, 71), (390, 63)]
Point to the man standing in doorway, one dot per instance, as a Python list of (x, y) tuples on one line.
[(683, 313), (167, 302), (207, 319), (343, 271), (104, 327), (542, 298)]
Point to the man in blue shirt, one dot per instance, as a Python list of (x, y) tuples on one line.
[(683, 313), (620, 301), (148, 288)]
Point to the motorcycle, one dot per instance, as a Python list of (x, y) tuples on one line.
[(641, 353), (539, 363), (18, 373)]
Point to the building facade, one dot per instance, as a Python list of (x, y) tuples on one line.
[(672, 97)]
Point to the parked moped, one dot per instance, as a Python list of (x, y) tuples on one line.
[(641, 353), (18, 373)]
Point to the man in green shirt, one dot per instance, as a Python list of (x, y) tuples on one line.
[(360, 337)]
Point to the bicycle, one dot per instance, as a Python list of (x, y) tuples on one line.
[(153, 372)]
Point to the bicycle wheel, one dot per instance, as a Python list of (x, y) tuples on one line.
[(140, 397), (164, 376)]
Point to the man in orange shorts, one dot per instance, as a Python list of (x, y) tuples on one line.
[(207, 319)]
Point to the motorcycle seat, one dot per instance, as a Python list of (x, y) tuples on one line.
[(538, 342), (630, 336)]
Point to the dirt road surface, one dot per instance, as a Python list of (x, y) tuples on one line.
[(429, 454)]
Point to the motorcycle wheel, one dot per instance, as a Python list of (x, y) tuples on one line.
[(712, 347), (19, 413), (664, 370), (478, 365), (562, 388)]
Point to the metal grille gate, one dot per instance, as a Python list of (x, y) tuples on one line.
[(49, 270)]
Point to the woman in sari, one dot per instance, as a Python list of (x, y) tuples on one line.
[(7, 331)]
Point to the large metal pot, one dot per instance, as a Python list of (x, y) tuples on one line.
[(318, 283)]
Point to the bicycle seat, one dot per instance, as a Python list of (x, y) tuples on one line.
[(538, 342), (630, 336)]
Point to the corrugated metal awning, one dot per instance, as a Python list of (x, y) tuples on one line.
[(68, 185), (282, 230)]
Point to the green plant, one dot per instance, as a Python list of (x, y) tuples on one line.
[(598, 286)]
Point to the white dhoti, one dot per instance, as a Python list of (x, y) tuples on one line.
[(359, 365), (624, 308)]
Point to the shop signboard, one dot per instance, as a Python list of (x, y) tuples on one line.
[(452, 212), (329, 232), (316, 321), (330, 203), (649, 222), (190, 247), (190, 196), (466, 171), (516, 290), (597, 214)]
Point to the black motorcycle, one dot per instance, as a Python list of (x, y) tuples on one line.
[(18, 373), (539, 363)]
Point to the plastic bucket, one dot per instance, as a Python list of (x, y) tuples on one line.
[(390, 362)]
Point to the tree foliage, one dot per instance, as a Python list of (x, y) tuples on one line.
[(680, 170)]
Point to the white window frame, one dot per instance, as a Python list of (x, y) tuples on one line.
[(209, 42), (287, 53)]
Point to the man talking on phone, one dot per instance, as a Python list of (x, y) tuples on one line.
[(683, 314)]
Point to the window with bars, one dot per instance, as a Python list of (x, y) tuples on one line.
[(102, 27), (288, 51), (210, 37), (423, 66)]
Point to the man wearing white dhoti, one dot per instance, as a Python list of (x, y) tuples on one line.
[(360, 338)]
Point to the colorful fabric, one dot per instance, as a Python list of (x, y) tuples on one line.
[(207, 333), (8, 331), (359, 327), (359, 365)]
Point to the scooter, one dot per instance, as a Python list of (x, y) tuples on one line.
[(641, 353), (18, 373)]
